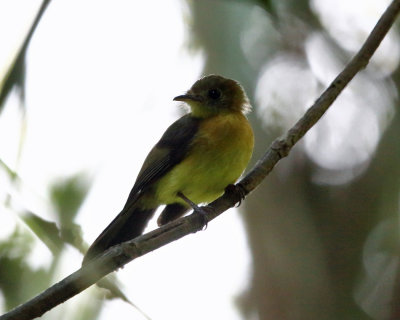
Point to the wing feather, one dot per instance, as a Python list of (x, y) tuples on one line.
[(167, 153)]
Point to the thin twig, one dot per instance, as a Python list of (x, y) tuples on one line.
[(121, 254)]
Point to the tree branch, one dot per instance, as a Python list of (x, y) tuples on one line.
[(120, 255)]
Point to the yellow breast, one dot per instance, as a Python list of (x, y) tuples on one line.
[(219, 153)]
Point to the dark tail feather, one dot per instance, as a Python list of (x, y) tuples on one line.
[(128, 225)]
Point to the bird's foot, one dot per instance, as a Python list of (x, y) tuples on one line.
[(201, 211), (236, 191)]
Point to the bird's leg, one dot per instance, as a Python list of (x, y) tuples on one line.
[(195, 208)]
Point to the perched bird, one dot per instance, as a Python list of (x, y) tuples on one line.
[(195, 160)]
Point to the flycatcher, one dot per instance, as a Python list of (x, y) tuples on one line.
[(196, 158)]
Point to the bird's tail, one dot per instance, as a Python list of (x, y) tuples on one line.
[(129, 224)]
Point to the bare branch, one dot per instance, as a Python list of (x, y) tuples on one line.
[(119, 255)]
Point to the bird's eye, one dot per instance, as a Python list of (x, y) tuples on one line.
[(214, 94)]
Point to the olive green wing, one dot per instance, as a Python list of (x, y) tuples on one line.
[(167, 153)]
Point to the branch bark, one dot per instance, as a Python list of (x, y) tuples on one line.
[(117, 256)]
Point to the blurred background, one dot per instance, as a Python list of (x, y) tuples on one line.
[(86, 89)]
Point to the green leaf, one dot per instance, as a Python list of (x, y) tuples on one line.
[(46, 231), (67, 196), (18, 281)]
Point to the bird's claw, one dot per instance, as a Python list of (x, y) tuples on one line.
[(202, 212), (236, 191)]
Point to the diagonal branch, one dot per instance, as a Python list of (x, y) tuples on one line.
[(120, 255)]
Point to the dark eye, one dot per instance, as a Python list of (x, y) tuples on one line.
[(214, 94)]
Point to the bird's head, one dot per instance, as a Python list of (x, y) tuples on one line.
[(214, 94)]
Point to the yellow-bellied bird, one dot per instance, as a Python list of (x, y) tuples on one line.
[(197, 158)]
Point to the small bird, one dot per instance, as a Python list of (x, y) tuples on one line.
[(197, 157)]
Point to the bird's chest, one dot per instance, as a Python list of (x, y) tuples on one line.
[(218, 155), (222, 147)]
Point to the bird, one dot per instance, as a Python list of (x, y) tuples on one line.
[(197, 157)]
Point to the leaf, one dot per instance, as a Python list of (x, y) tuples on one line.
[(67, 196), (111, 284), (15, 75), (46, 231), (18, 281)]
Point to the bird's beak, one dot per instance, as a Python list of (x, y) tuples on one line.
[(188, 97)]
